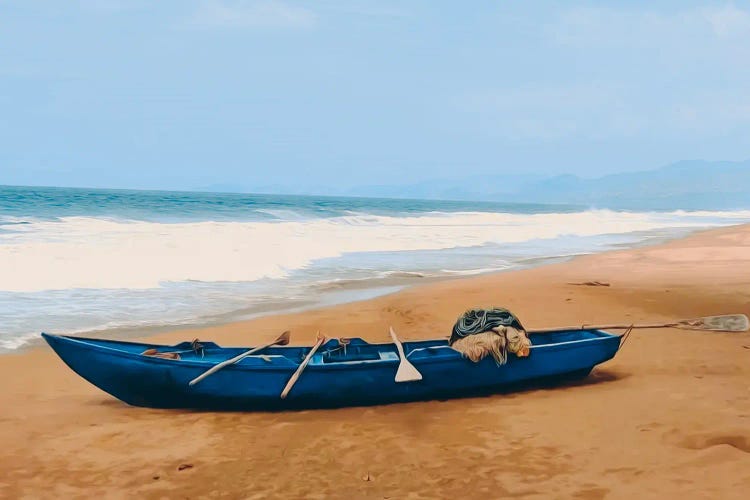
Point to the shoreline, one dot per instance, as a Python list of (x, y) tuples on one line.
[(437, 286), (668, 416), (367, 290)]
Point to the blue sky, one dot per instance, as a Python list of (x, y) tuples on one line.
[(186, 94)]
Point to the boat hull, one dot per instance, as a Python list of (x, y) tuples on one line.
[(364, 376)]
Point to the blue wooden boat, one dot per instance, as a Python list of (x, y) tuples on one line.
[(359, 373)]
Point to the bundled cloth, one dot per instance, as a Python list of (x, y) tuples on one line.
[(495, 332)]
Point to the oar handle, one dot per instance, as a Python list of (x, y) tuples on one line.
[(228, 362), (724, 323), (602, 327), (398, 344), (282, 340), (298, 372)]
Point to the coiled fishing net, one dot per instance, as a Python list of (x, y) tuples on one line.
[(489, 332), (476, 321)]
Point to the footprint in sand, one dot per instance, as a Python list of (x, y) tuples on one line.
[(703, 441), (634, 471), (710, 447), (591, 492)]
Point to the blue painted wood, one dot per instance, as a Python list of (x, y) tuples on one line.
[(360, 375)]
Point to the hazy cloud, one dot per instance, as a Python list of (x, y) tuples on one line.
[(646, 74), (364, 8), (555, 112), (730, 21), (606, 26), (604, 111), (250, 14)]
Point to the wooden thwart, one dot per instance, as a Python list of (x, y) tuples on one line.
[(282, 339)]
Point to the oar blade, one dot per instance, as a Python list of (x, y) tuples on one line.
[(726, 323), (284, 338), (407, 372)]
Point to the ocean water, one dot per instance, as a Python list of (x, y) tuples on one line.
[(87, 260)]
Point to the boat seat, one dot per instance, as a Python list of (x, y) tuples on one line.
[(387, 355), (429, 351), (353, 353)]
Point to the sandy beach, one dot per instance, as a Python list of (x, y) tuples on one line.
[(668, 417)]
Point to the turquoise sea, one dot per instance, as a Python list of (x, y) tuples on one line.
[(87, 260)]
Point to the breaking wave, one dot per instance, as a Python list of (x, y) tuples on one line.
[(106, 253)]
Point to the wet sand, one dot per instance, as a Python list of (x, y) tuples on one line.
[(669, 416)]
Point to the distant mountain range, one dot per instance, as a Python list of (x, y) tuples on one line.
[(686, 184), (689, 185)]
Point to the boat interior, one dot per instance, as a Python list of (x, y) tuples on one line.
[(334, 351)]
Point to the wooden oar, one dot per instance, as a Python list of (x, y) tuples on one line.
[(283, 339), (295, 376), (726, 323), (406, 372)]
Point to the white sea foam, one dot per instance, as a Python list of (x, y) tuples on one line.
[(14, 342), (84, 252), (282, 214), (472, 272)]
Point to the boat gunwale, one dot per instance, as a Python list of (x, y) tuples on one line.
[(91, 344)]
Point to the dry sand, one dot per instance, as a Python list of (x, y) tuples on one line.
[(669, 416)]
